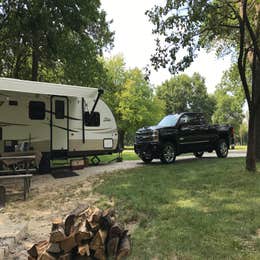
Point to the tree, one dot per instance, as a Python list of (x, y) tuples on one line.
[(230, 26), (230, 99), (56, 39), (183, 93), (130, 97)]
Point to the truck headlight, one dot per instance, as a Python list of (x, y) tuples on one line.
[(155, 136)]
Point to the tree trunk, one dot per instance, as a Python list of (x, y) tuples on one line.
[(257, 113), (251, 158)]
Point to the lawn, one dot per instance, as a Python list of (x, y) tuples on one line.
[(127, 155), (192, 209)]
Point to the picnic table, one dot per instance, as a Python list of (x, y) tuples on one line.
[(16, 170)]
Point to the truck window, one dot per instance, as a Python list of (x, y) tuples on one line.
[(92, 121), (36, 110)]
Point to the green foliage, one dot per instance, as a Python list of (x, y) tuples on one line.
[(57, 40), (130, 97), (186, 26), (230, 99), (243, 133), (200, 209), (183, 93)]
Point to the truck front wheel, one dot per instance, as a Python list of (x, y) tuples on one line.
[(168, 153), (222, 149)]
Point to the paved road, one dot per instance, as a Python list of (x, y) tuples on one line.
[(231, 154)]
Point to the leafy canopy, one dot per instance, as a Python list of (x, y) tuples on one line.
[(53, 40), (130, 97), (183, 93)]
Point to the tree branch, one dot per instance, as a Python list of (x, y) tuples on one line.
[(252, 35)]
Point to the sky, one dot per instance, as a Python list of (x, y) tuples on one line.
[(134, 40)]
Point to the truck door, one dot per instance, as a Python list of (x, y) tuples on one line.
[(190, 138), (59, 126)]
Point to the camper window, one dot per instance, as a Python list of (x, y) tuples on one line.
[(36, 110), (93, 120), (59, 109)]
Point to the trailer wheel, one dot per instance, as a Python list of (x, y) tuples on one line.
[(222, 149), (146, 159), (198, 154), (45, 164), (168, 153)]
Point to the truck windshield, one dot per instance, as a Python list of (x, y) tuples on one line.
[(170, 120)]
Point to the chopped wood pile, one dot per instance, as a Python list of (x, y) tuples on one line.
[(86, 233)]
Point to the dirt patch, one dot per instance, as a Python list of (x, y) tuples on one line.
[(51, 198)]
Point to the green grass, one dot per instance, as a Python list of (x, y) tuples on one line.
[(240, 147), (127, 156), (193, 209)]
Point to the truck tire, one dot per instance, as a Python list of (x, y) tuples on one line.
[(168, 153), (222, 149), (198, 154)]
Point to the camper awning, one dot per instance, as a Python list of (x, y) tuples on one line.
[(42, 88)]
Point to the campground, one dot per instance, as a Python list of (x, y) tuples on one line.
[(205, 208)]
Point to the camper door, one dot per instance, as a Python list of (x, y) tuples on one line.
[(59, 126)]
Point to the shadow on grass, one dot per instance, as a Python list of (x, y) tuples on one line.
[(200, 209)]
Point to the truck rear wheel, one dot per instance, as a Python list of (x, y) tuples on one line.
[(168, 153), (222, 149)]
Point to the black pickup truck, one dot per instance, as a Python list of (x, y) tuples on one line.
[(182, 133)]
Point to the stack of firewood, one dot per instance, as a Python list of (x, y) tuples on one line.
[(86, 233)]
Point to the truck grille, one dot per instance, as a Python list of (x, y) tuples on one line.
[(144, 137)]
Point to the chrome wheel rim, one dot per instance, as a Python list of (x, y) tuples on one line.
[(223, 148), (168, 153)]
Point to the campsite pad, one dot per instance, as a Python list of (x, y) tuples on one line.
[(63, 173)]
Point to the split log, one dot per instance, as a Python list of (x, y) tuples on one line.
[(115, 234), (65, 257), (109, 212), (57, 235), (37, 249), (98, 240), (100, 254), (68, 244), (46, 256), (123, 248), (84, 250), (115, 231), (54, 248), (57, 231), (92, 226), (96, 215), (71, 218), (112, 246), (82, 234), (56, 223)]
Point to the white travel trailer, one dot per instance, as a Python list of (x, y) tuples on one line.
[(57, 120)]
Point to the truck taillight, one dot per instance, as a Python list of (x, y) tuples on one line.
[(232, 131)]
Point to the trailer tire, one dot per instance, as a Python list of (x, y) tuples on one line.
[(146, 160), (45, 164)]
